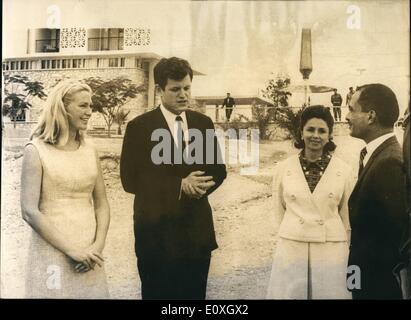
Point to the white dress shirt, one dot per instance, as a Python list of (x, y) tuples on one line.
[(171, 121), (374, 144)]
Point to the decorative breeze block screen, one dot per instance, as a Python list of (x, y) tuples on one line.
[(136, 37), (73, 38)]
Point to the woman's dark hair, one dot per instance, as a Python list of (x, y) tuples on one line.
[(319, 112)]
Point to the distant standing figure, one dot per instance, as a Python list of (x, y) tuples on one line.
[(349, 96), (336, 101), (229, 103), (63, 199)]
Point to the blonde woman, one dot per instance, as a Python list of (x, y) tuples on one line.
[(63, 199)]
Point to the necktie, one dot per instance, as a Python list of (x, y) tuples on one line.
[(180, 132), (362, 156)]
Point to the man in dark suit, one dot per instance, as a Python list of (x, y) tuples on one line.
[(229, 104), (403, 270), (336, 101), (173, 223), (377, 205)]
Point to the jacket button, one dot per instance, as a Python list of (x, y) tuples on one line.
[(338, 173), (288, 173), (301, 220), (320, 222), (293, 197), (331, 195)]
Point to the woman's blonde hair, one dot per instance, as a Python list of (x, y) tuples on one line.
[(53, 125)]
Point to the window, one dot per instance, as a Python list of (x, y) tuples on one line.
[(105, 39), (76, 63), (138, 63), (6, 66), (113, 62), (66, 63), (21, 116), (122, 62), (48, 40)]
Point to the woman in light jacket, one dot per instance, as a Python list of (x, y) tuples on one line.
[(310, 193)]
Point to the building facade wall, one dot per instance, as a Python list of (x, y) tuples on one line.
[(49, 78)]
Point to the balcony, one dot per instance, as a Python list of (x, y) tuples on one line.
[(48, 45), (101, 44)]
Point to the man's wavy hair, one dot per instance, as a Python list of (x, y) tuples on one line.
[(173, 68)]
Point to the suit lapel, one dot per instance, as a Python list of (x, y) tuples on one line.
[(375, 154), (327, 176), (162, 123), (301, 177)]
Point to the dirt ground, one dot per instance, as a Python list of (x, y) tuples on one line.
[(240, 267)]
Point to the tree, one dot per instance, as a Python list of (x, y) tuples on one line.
[(289, 119), (120, 119), (262, 117), (276, 92), (278, 95), (109, 96), (19, 92), (284, 115)]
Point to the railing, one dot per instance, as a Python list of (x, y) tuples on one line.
[(100, 44), (217, 114), (48, 45)]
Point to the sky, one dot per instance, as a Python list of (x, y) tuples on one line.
[(240, 45)]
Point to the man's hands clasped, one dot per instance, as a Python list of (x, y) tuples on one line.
[(196, 185)]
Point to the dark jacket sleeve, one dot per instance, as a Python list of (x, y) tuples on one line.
[(218, 168), (156, 189), (128, 159), (390, 191)]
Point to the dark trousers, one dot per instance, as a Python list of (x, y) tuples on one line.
[(228, 112), (337, 113), (173, 278), (377, 286)]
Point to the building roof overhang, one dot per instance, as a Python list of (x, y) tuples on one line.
[(149, 56)]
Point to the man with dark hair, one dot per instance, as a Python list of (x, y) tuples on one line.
[(229, 104), (377, 205), (336, 101), (173, 223)]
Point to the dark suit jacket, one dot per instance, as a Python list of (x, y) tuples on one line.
[(163, 223), (229, 102), (378, 218)]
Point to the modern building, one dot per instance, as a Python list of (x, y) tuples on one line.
[(79, 53)]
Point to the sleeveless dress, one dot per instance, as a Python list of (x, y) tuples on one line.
[(66, 199)]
